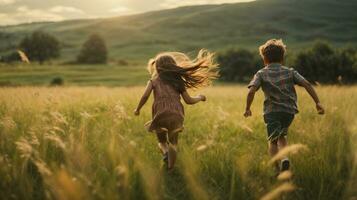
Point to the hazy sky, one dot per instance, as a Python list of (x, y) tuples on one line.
[(22, 11)]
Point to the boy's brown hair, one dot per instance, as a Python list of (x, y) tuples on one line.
[(273, 51)]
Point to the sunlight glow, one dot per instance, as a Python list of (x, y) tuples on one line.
[(16, 11)]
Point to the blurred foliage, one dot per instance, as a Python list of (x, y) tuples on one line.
[(320, 63), (57, 81), (40, 46), (10, 57), (94, 51)]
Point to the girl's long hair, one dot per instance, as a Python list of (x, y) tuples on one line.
[(178, 70)]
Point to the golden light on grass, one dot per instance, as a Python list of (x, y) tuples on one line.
[(121, 170), (291, 149), (42, 168), (59, 118), (122, 173), (85, 115), (56, 140), (8, 123), (67, 187), (246, 128), (190, 170), (201, 147), (205, 146), (120, 160), (24, 148), (277, 192), (286, 175)]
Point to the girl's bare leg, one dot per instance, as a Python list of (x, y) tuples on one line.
[(173, 137), (164, 147), (162, 138)]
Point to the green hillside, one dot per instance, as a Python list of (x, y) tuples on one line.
[(215, 27)]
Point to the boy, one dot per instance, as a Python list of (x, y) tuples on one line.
[(277, 82)]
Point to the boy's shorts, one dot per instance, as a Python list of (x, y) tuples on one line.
[(277, 124)]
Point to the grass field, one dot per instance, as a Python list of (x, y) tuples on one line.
[(84, 143), (92, 75)]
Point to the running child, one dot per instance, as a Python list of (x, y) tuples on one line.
[(173, 73), (277, 83)]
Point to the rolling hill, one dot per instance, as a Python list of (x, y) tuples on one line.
[(215, 27)]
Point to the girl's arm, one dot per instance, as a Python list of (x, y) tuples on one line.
[(192, 100), (144, 98)]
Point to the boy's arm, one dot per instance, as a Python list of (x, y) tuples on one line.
[(308, 87), (253, 86), (192, 100), (300, 80), (250, 98), (144, 98)]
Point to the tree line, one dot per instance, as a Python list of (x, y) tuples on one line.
[(41, 46), (321, 63)]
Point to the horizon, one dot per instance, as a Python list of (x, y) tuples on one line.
[(16, 12)]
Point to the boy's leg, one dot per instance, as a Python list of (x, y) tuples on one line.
[(282, 142), (273, 125), (285, 163), (273, 150), (286, 121)]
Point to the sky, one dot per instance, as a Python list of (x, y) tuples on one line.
[(25, 11)]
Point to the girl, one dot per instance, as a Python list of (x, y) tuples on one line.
[(172, 74)]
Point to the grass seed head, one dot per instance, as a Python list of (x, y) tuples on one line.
[(291, 149), (277, 192), (286, 175)]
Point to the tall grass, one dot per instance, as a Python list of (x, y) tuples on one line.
[(84, 143)]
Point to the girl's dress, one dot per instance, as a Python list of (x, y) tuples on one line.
[(167, 109)]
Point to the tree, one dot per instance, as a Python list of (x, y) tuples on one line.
[(347, 66), (319, 63), (10, 57), (94, 51), (40, 46), (238, 65)]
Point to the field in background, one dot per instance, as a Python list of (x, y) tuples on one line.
[(84, 143), (108, 75), (190, 28)]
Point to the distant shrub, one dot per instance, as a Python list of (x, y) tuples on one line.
[(238, 65), (321, 63), (94, 51), (347, 65), (122, 62), (40, 46), (57, 81), (7, 84), (10, 57)]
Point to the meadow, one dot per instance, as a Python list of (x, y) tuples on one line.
[(85, 143), (78, 75)]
